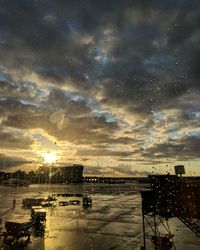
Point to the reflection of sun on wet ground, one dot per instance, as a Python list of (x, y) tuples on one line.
[(113, 222)]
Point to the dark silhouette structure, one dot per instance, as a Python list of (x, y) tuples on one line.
[(60, 175), (170, 196), (44, 174), (68, 174)]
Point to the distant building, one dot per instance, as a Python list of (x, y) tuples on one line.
[(67, 174)]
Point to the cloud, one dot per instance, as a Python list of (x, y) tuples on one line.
[(10, 162), (14, 139), (122, 170), (75, 122), (23, 90), (118, 78), (184, 148), (104, 152)]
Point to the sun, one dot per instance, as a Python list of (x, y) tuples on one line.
[(50, 157)]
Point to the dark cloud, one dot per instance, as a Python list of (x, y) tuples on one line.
[(76, 124), (85, 60), (14, 140), (24, 90), (8, 162), (71, 103), (104, 152), (185, 148), (185, 24), (47, 39)]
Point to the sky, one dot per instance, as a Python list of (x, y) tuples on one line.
[(113, 85)]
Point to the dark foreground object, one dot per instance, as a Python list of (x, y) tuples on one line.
[(170, 196), (15, 230)]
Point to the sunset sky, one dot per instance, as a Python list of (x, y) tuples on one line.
[(113, 85)]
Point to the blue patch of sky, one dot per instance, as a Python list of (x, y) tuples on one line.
[(110, 118), (159, 62), (193, 112), (195, 133), (179, 134), (175, 134), (27, 102), (102, 57), (158, 116), (77, 97), (19, 86), (2, 76), (43, 93), (29, 85)]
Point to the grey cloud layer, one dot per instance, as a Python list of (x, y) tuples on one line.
[(60, 116), (14, 140), (180, 150), (7, 162), (140, 56)]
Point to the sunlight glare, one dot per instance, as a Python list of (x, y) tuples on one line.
[(50, 157)]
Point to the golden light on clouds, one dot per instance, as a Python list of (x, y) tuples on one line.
[(107, 96)]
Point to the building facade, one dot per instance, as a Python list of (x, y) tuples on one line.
[(67, 174)]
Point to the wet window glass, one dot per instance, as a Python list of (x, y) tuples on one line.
[(99, 124)]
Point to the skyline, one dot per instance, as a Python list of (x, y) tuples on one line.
[(112, 85)]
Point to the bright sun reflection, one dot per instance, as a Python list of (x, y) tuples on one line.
[(50, 157)]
